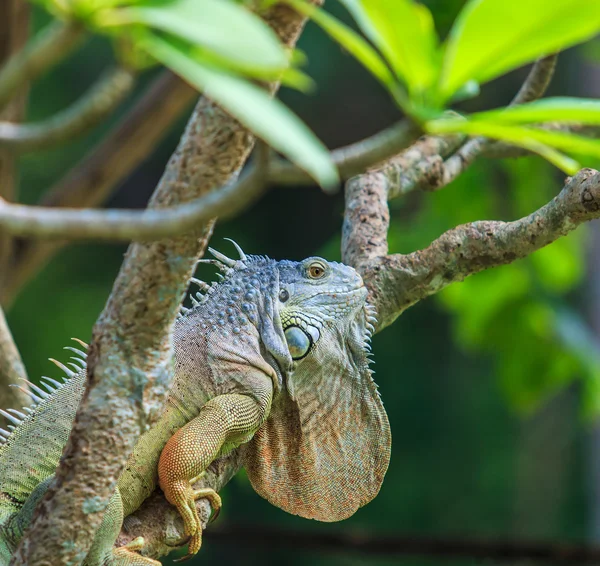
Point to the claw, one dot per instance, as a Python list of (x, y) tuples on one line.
[(213, 498), (194, 545), (183, 558), (183, 496)]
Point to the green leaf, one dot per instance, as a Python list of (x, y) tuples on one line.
[(349, 40), (227, 29), (558, 109), (403, 31), (491, 37), (542, 142), (268, 118)]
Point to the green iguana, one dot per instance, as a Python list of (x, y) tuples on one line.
[(272, 360)]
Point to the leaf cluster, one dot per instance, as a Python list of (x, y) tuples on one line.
[(425, 75)]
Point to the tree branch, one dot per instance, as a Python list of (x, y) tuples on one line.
[(538, 80), (11, 368), (101, 99), (160, 523), (352, 159), (145, 225), (397, 281), (422, 165), (129, 362), (401, 545), (367, 217), (45, 50)]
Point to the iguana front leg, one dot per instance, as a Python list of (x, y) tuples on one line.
[(224, 423)]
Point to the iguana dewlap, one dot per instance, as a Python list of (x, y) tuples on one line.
[(272, 360)]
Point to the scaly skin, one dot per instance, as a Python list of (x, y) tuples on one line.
[(271, 361)]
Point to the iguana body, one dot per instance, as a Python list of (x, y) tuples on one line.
[(271, 361)]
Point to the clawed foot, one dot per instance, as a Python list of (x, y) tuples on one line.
[(184, 497), (128, 555)]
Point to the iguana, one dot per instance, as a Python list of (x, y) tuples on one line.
[(273, 361)]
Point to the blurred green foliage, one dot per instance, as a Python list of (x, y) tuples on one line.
[(484, 384)]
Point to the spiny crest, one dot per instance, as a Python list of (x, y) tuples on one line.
[(370, 322), (38, 394), (226, 265), (370, 319)]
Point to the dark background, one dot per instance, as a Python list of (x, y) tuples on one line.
[(492, 388)]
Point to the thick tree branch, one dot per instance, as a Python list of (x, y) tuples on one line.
[(94, 178), (402, 545), (129, 363), (101, 99), (46, 49), (397, 281), (11, 368)]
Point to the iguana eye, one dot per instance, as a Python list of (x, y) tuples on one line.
[(316, 270)]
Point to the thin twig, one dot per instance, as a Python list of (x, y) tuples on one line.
[(538, 80), (445, 548), (355, 158), (100, 100), (45, 50)]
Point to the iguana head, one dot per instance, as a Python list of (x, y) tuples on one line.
[(316, 297)]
